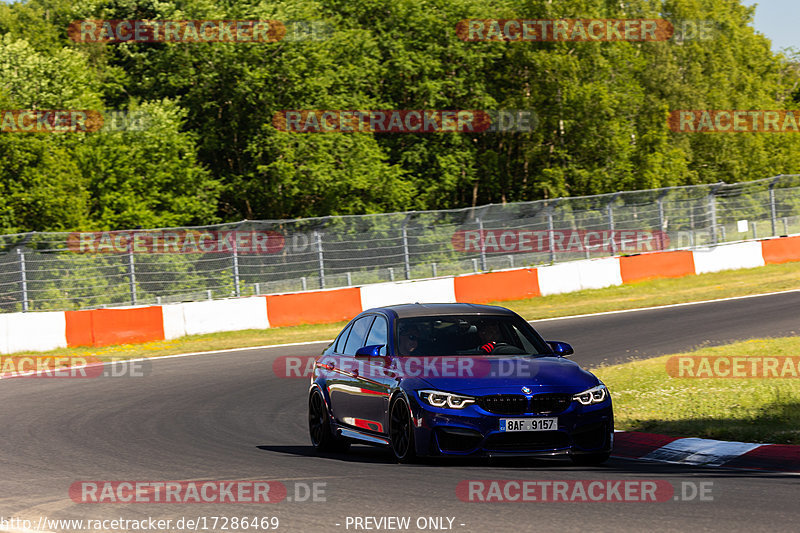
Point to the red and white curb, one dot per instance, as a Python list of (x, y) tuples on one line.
[(706, 452)]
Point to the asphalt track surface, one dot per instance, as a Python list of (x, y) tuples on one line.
[(226, 416)]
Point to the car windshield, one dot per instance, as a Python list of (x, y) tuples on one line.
[(467, 335)]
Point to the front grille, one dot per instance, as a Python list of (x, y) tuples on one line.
[(504, 404), (527, 441), (516, 404), (548, 404)]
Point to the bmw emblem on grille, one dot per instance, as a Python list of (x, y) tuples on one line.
[(526, 390)]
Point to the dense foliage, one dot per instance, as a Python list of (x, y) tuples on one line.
[(210, 153)]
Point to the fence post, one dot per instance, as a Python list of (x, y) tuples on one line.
[(660, 202), (236, 288), (772, 209), (406, 260), (318, 237), (483, 244), (755, 229), (551, 235), (611, 225), (433, 269), (132, 273), (712, 211), (23, 280)]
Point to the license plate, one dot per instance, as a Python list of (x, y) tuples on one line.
[(529, 424)]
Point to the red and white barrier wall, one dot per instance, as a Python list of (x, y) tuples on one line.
[(102, 327)]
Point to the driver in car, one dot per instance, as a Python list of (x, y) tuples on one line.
[(408, 341), (489, 335)]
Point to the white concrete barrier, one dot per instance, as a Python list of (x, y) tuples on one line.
[(408, 292), (174, 321), (3, 334), (224, 315), (728, 257), (38, 332), (559, 278), (600, 273)]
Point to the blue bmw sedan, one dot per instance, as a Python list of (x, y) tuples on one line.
[(456, 380)]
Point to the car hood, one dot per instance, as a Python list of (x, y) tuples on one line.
[(507, 375)]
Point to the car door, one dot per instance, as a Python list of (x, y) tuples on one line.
[(342, 382), (370, 400), (328, 367)]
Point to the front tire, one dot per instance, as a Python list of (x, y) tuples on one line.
[(401, 432), (319, 427)]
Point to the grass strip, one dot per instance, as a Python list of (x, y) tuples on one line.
[(762, 410)]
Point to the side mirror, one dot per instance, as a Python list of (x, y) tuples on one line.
[(374, 350), (561, 349)]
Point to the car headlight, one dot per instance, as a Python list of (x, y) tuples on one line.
[(445, 399), (592, 396)]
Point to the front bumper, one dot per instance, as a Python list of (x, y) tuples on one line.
[(474, 431)]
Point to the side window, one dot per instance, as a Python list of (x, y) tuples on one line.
[(378, 334), (358, 334), (340, 340)]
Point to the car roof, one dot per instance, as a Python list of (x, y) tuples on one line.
[(433, 309)]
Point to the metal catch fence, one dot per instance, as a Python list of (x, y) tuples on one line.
[(79, 270)]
